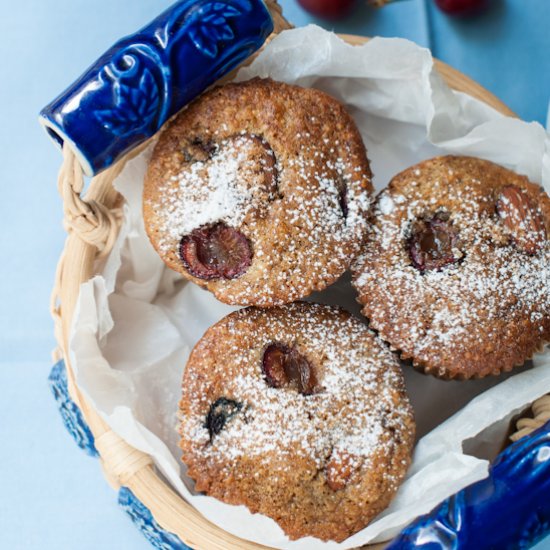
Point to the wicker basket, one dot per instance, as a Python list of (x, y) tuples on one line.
[(92, 223)]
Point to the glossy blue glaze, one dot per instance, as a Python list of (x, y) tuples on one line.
[(509, 510), (143, 519), (128, 94), (70, 413)]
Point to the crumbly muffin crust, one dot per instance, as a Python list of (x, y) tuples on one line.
[(478, 305), (321, 460), (283, 167)]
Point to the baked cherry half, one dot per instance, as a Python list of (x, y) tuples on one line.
[(284, 365), (432, 243), (522, 219), (216, 252)]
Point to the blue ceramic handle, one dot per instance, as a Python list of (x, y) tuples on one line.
[(131, 90), (70, 413), (81, 433), (143, 519), (509, 510)]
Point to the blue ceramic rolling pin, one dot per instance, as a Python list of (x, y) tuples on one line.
[(509, 510), (136, 86)]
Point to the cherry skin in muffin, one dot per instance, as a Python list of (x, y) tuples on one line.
[(216, 252), (300, 413), (259, 192), (455, 273), (432, 242), (283, 365)]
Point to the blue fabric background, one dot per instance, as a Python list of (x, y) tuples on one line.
[(52, 495)]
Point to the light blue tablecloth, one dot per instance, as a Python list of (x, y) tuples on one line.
[(51, 495)]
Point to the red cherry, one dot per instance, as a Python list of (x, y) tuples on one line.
[(327, 9), (283, 365), (432, 242), (216, 251), (460, 7)]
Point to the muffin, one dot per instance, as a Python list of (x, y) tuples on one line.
[(455, 273), (259, 192), (300, 413)]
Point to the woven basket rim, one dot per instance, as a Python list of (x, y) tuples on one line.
[(85, 220)]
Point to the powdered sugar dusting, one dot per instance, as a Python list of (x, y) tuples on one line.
[(314, 238), (359, 405), (386, 204), (298, 188), (214, 190), (304, 214), (465, 308), (337, 185)]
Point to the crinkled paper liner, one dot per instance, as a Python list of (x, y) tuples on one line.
[(137, 321)]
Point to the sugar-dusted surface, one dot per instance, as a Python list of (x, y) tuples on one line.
[(484, 314), (277, 454), (392, 147), (289, 172), (224, 187)]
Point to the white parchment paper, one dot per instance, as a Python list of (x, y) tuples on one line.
[(137, 321)]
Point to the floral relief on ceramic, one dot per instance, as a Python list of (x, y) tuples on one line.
[(144, 521), (145, 78), (70, 413)]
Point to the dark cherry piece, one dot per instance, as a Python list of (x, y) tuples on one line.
[(523, 220), (220, 412), (267, 163), (432, 242), (273, 365), (460, 7), (283, 365), (327, 9), (343, 200), (216, 252), (197, 149)]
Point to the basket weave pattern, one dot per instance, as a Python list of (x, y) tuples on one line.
[(92, 223)]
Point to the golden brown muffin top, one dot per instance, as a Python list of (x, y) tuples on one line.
[(259, 192), (299, 412), (455, 273)]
